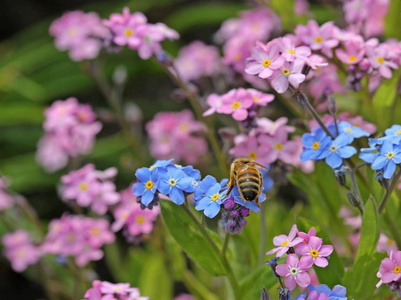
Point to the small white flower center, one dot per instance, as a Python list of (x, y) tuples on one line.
[(333, 148), (294, 271), (172, 182), (195, 183)]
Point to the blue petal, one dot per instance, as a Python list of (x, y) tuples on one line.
[(389, 169), (138, 189), (368, 157), (147, 197), (212, 210), (341, 140), (386, 147), (143, 174), (208, 181), (346, 152), (308, 140), (307, 154), (339, 291), (203, 203), (175, 173), (322, 288), (215, 189), (379, 162), (185, 182), (301, 296), (334, 161), (164, 187), (397, 158), (177, 196)]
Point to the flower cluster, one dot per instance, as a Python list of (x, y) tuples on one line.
[(70, 131), (233, 219), (197, 60), (134, 220), (178, 135), (318, 145), (240, 103), (268, 142), (82, 34), (384, 153), (19, 250), (78, 236), (282, 60), (390, 272), (309, 247), (6, 200), (112, 291), (238, 33), (134, 31), (323, 292), (89, 187)]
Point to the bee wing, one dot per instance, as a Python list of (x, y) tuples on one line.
[(260, 166)]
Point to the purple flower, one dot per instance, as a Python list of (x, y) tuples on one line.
[(315, 252), (284, 242), (294, 271)]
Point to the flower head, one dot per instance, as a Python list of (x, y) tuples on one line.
[(294, 271), (315, 251), (284, 242)]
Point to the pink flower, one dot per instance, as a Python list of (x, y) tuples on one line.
[(353, 54), (215, 102), (294, 271), (19, 250), (82, 34), (386, 244), (325, 81), (237, 102), (290, 52), (184, 297), (125, 28), (263, 61), (271, 127), (197, 60), (380, 61), (318, 37), (151, 39), (103, 290), (390, 268), (289, 72), (284, 242), (315, 252), (260, 98), (252, 148), (280, 147), (358, 121), (307, 236)]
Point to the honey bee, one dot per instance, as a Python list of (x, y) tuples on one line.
[(245, 174)]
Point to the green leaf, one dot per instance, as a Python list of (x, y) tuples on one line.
[(155, 281), (333, 273), (387, 91), (261, 277), (392, 20), (360, 280), (188, 235)]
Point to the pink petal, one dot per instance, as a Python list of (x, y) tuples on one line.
[(315, 242), (302, 249), (296, 79), (280, 239), (282, 251), (265, 73), (280, 84), (306, 262), (397, 257), (388, 277), (326, 250), (295, 242), (293, 232), (253, 68), (290, 282), (303, 279), (273, 251), (292, 260), (321, 262), (282, 270), (240, 114)]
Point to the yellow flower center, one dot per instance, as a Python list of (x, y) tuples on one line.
[(278, 146), (21, 253), (319, 39), (215, 197), (149, 184), (349, 130), (255, 99), (253, 154), (315, 146), (83, 186), (140, 219), (95, 231), (291, 51), (236, 105), (398, 132), (314, 253), (380, 59), (172, 182), (184, 127), (285, 72), (285, 243), (72, 32), (390, 155), (128, 32), (352, 58), (71, 238), (152, 167), (390, 242), (267, 63), (237, 57), (397, 269)]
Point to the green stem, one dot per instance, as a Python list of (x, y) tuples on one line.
[(230, 273), (355, 190), (225, 244), (23, 204), (390, 189), (262, 245), (199, 114)]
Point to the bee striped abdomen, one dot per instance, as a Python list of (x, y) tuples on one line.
[(248, 183)]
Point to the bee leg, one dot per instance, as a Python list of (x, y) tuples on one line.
[(257, 201)]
